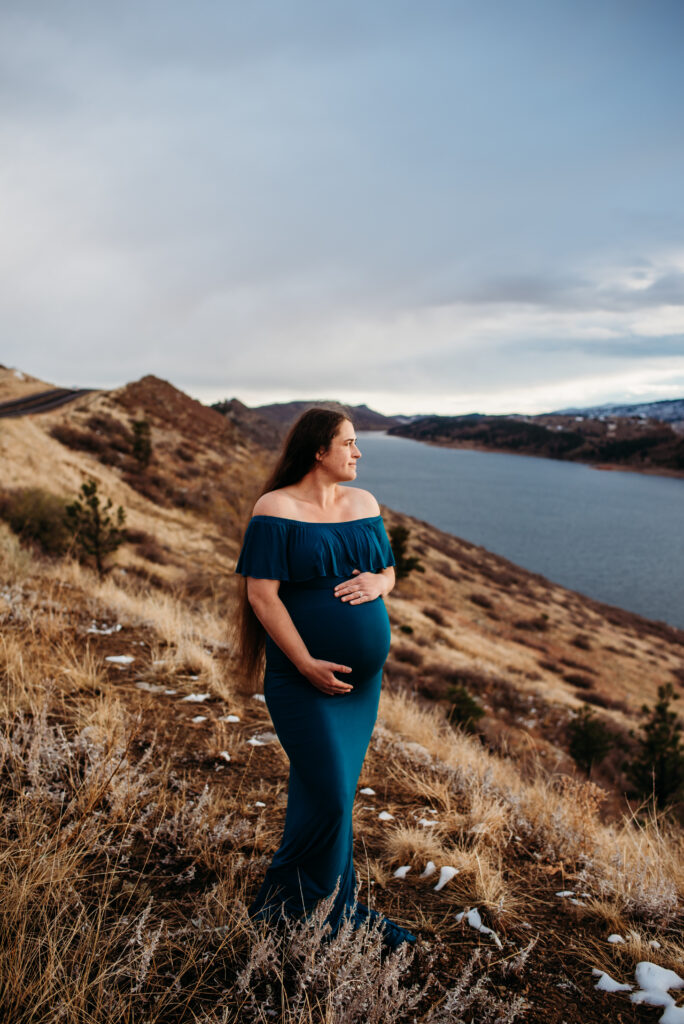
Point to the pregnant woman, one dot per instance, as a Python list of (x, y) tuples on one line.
[(317, 563)]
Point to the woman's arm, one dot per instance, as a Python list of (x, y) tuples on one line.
[(276, 620)]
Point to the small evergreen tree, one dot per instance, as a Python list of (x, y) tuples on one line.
[(464, 710), (590, 739), (404, 563), (658, 767), (142, 442), (95, 532)]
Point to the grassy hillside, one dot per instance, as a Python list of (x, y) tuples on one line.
[(17, 384), (143, 796)]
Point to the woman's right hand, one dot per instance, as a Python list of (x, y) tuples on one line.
[(320, 674)]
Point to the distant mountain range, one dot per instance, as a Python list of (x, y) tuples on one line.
[(267, 424), (647, 436), (668, 411)]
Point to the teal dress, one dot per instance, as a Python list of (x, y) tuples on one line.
[(325, 736)]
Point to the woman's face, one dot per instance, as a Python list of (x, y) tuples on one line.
[(342, 455)]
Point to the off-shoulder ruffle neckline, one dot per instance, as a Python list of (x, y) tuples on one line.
[(306, 522)]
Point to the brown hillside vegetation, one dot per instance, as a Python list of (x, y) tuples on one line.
[(144, 791)]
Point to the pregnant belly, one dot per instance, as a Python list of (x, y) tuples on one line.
[(335, 630)]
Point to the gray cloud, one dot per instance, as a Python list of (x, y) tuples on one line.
[(305, 196)]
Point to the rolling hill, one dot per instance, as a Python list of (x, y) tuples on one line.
[(144, 789)]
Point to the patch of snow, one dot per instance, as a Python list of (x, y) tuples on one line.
[(266, 737), (577, 903), (258, 696), (259, 803), (654, 944), (426, 823), (652, 997), (120, 659), (607, 984), (430, 869), (445, 875), (255, 742), (655, 982), (149, 687), (225, 755), (615, 938), (103, 630), (565, 892), (475, 921), (170, 693), (403, 871), (199, 718), (650, 976), (229, 718), (385, 816), (367, 791), (196, 698)]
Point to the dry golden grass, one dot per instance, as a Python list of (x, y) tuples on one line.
[(489, 820), (639, 865), (407, 844), (186, 638), (17, 563), (129, 846), (90, 938)]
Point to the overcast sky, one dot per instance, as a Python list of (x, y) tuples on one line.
[(425, 205)]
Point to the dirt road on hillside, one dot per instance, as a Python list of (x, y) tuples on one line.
[(43, 401)]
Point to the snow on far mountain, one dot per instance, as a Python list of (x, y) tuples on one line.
[(667, 411)]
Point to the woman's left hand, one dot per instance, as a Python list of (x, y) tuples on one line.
[(365, 586)]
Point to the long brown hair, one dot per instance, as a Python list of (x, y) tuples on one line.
[(314, 430)]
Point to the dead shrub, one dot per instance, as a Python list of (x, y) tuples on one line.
[(185, 452), (150, 485), (38, 518), (578, 680), (408, 655), (569, 663), (151, 550), (538, 624), (436, 615), (79, 440), (602, 700)]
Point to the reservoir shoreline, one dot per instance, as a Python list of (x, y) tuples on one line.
[(615, 537), (473, 446)]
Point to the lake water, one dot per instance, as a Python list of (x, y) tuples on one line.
[(615, 536)]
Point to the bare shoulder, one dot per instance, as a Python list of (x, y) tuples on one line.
[(273, 503), (364, 503)]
